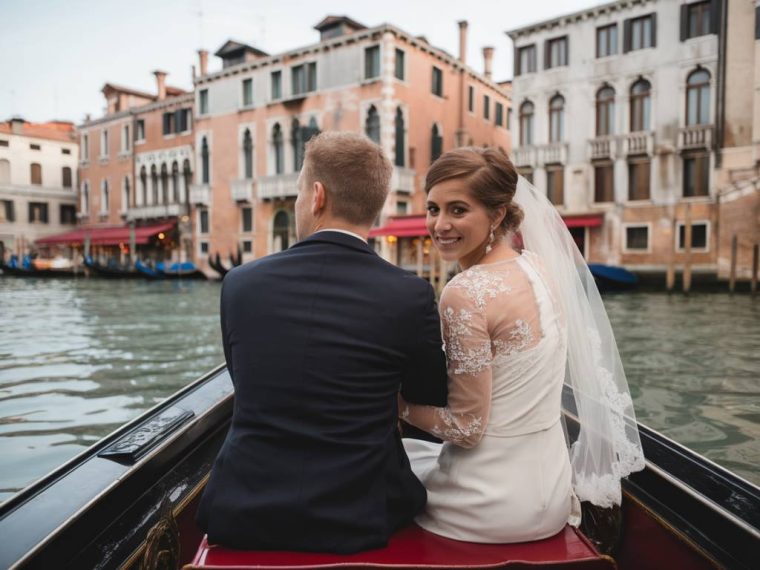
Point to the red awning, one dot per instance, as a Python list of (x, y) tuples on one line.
[(402, 226), (589, 221), (113, 235)]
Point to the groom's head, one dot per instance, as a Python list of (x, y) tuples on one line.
[(343, 184)]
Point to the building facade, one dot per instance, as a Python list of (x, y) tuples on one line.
[(38, 166), (620, 117), (135, 167), (254, 116)]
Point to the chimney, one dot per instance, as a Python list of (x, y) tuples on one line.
[(161, 84), (487, 61), (463, 41), (17, 125), (203, 61)]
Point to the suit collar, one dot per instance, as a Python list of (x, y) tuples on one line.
[(338, 238)]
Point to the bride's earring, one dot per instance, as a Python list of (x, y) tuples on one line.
[(491, 239)]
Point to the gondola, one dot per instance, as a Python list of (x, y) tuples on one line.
[(129, 502), (30, 268), (111, 270), (215, 263), (612, 278), (186, 270)]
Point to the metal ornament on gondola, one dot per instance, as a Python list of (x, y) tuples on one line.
[(162, 545)]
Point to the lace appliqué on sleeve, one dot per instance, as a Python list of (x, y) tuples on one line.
[(463, 355)]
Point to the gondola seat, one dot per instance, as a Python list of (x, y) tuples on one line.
[(414, 547)]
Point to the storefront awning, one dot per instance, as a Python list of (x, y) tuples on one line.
[(402, 226), (113, 235), (588, 221)]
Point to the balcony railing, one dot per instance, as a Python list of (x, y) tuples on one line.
[(524, 156), (603, 147), (696, 136), (402, 179), (155, 211), (200, 194), (278, 186), (554, 153), (638, 143), (242, 190)]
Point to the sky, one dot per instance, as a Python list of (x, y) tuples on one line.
[(56, 55)]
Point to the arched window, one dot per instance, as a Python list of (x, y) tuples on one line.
[(143, 186), (247, 155), (400, 138), (187, 174), (641, 95), (175, 182), (85, 198), (526, 123), (5, 171), (205, 175), (556, 119), (698, 98), (36, 173), (164, 184), (66, 177), (281, 231), (154, 184), (125, 194), (605, 111), (372, 124), (296, 137), (104, 197), (436, 143), (277, 148)]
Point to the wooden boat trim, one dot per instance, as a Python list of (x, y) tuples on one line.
[(91, 453)]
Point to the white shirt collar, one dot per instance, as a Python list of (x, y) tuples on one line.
[(357, 236)]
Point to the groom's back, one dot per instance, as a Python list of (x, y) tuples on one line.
[(319, 339)]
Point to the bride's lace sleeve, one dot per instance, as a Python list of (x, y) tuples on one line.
[(468, 354)]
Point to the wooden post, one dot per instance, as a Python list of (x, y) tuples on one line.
[(670, 276), (732, 278), (687, 251), (419, 256), (755, 255)]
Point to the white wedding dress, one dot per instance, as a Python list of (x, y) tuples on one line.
[(503, 473)]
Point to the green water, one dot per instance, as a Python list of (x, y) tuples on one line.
[(79, 358)]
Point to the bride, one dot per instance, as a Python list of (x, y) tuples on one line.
[(518, 326)]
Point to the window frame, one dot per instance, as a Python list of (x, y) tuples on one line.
[(609, 166), (246, 86), (607, 35), (527, 118), (44, 217), (554, 169), (275, 85), (556, 120), (637, 225), (139, 131), (702, 91), (529, 53), (605, 108), (372, 57), (697, 157), (632, 164), (562, 53), (203, 102), (436, 81), (399, 52), (246, 227), (641, 103), (681, 227)]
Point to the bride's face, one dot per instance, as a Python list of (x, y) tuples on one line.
[(459, 224)]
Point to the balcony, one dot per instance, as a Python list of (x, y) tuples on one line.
[(278, 186), (554, 153), (200, 194), (155, 211), (638, 143), (402, 180), (524, 156), (603, 147), (695, 137), (242, 190)]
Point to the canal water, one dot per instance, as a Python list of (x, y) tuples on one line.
[(79, 358)]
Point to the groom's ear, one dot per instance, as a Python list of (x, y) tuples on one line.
[(318, 198)]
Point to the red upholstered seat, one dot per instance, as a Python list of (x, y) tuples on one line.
[(414, 547)]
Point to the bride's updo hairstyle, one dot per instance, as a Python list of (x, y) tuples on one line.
[(489, 175)]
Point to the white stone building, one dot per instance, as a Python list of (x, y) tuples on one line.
[(38, 166), (618, 115)]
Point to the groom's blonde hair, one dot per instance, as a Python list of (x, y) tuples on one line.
[(354, 171)]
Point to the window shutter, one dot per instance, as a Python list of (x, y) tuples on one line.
[(684, 21), (546, 54), (654, 29), (567, 50), (516, 63), (716, 12), (626, 36), (11, 211)]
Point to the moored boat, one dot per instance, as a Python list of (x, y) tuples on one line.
[(131, 499), (111, 270), (186, 270), (613, 278), (42, 268)]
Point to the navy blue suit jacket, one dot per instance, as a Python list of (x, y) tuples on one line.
[(318, 340)]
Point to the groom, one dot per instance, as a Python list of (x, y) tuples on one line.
[(319, 339)]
